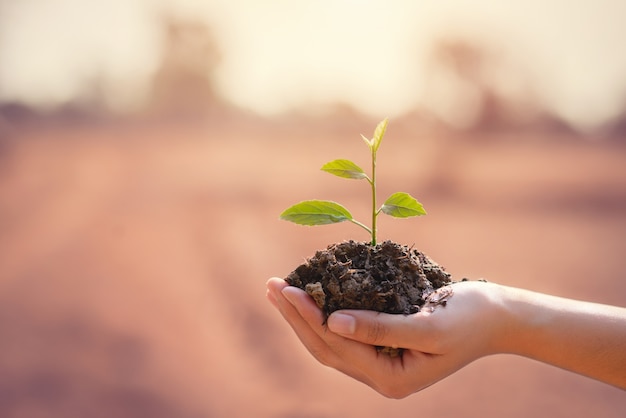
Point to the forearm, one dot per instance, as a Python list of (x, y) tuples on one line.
[(583, 337)]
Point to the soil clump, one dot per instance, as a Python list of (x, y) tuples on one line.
[(388, 277)]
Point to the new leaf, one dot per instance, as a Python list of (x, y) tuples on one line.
[(345, 168), (402, 205), (316, 212), (379, 133)]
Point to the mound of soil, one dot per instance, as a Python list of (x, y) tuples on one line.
[(388, 277)]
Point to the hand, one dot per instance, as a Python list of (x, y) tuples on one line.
[(435, 343)]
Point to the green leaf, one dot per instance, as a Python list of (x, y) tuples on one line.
[(402, 205), (316, 212), (379, 133), (344, 168), (367, 141)]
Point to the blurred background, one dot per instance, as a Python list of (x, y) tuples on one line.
[(147, 148)]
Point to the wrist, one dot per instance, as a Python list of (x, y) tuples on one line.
[(505, 313), (522, 321), (491, 317)]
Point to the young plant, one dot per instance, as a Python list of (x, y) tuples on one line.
[(323, 212)]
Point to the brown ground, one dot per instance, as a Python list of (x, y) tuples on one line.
[(133, 264), (387, 277)]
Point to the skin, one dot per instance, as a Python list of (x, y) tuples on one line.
[(479, 319)]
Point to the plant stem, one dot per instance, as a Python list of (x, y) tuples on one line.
[(373, 184), (354, 221)]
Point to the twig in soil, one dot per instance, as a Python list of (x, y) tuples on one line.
[(439, 297)]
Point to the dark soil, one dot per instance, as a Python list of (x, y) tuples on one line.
[(389, 278)]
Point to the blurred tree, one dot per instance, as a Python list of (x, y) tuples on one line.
[(617, 126), (183, 84), (617, 129), (469, 85)]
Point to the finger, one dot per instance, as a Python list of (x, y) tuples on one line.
[(380, 329), (359, 360), (274, 286), (310, 329), (270, 297), (334, 346), (328, 348)]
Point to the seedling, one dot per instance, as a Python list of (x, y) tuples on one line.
[(323, 212)]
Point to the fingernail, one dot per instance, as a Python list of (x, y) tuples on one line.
[(341, 323), (290, 293)]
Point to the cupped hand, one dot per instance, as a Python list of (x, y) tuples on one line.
[(436, 342)]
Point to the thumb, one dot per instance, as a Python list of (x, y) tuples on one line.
[(376, 328)]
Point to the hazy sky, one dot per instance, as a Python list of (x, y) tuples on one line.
[(283, 53)]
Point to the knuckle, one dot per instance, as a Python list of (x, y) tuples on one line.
[(321, 354), (328, 353), (337, 349), (376, 332)]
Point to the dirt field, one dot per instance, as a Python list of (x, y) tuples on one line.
[(133, 263)]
